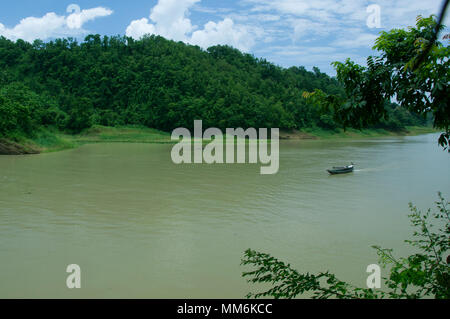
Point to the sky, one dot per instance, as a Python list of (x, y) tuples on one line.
[(286, 32)]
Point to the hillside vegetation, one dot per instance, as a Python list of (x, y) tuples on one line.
[(69, 87)]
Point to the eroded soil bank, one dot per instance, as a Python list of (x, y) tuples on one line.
[(8, 147)]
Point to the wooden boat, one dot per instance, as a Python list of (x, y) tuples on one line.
[(342, 170)]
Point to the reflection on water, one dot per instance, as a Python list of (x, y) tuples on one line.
[(142, 227)]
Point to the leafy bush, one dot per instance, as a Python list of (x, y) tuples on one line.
[(421, 275), (14, 117), (421, 88), (20, 110), (53, 116), (80, 115)]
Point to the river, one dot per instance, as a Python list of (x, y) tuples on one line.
[(140, 226)]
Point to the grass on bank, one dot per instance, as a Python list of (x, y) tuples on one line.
[(317, 133), (43, 141), (49, 140), (127, 134)]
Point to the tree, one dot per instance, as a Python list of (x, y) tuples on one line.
[(80, 115), (423, 274), (20, 110), (421, 88)]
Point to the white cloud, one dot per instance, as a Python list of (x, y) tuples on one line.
[(52, 25), (169, 18), (288, 32), (356, 39), (224, 32), (138, 28), (33, 28), (80, 17), (306, 25), (305, 28), (399, 13)]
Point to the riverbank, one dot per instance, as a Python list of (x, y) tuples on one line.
[(317, 133), (46, 141), (8, 147)]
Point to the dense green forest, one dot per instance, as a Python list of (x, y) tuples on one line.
[(153, 82)]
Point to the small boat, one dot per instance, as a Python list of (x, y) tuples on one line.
[(342, 170)]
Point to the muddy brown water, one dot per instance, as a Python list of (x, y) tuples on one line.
[(141, 227)]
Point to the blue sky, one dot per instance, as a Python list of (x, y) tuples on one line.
[(287, 32)]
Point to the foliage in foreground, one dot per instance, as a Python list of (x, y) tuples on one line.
[(421, 275), (421, 88)]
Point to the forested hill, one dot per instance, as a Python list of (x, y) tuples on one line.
[(153, 82)]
